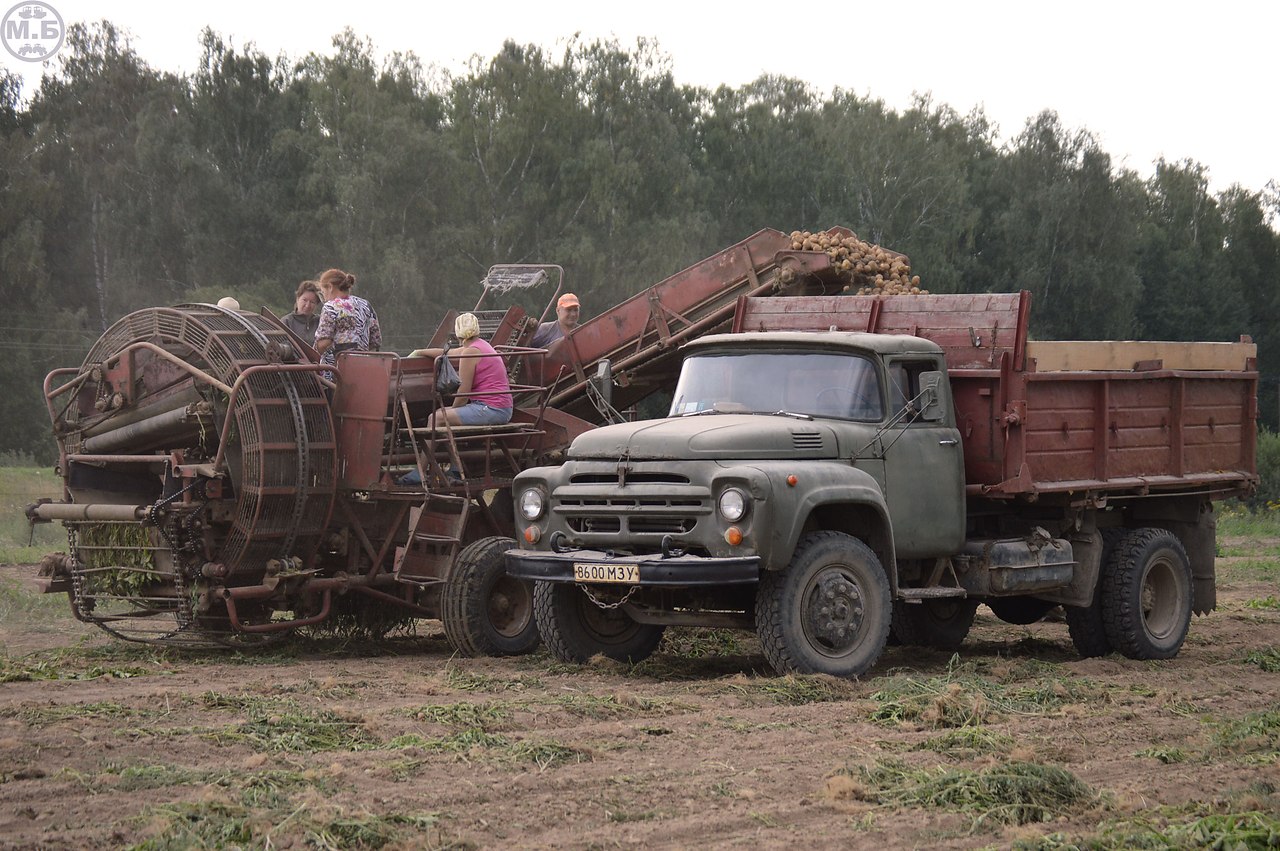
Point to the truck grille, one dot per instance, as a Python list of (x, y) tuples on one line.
[(648, 512), (632, 477)]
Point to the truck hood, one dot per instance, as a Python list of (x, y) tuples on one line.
[(716, 436)]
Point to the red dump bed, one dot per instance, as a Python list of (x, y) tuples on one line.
[(1046, 417)]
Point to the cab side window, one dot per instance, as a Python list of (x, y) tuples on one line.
[(904, 381)]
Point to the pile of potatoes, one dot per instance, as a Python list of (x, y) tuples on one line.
[(869, 269)]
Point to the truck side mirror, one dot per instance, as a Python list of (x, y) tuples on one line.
[(934, 393)]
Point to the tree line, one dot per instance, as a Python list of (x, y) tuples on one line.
[(123, 186)]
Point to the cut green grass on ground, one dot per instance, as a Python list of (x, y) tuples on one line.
[(964, 699), (281, 725), (1247, 827), (216, 824), (1013, 793), (1268, 659)]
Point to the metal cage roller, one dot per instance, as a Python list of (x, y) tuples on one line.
[(279, 454)]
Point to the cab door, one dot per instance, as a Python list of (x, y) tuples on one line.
[(924, 463)]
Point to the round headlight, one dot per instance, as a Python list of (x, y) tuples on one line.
[(531, 504), (733, 505)]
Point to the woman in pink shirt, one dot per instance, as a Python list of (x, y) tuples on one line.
[(483, 373)]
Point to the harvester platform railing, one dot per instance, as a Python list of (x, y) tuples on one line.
[(512, 442)]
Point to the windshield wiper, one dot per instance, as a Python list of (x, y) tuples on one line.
[(700, 413), (791, 414)]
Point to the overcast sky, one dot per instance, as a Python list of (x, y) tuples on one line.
[(1174, 79)]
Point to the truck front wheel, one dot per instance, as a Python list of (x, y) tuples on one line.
[(574, 628), (828, 612), (1147, 595)]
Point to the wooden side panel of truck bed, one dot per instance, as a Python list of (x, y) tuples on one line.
[(1167, 430)]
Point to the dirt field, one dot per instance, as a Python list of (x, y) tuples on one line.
[(1013, 742)]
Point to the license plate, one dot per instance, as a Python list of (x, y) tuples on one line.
[(628, 574)]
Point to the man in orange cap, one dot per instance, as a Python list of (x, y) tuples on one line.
[(567, 312)]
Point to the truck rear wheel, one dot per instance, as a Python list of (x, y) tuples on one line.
[(1147, 595), (828, 612), (486, 612), (1084, 623), (575, 628), (942, 623)]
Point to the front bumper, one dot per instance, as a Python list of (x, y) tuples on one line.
[(676, 571)]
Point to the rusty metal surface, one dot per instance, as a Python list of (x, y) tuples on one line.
[(640, 336), (280, 443), (360, 413), (975, 331)]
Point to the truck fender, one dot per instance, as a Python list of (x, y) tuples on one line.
[(848, 500)]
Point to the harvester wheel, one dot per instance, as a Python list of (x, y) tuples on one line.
[(486, 612), (942, 623), (1147, 595), (828, 612), (575, 628), (1084, 623)]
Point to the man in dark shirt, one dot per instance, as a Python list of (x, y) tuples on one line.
[(567, 312)]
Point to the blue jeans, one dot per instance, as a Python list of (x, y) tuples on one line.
[(478, 413)]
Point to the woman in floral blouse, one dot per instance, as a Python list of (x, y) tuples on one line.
[(347, 322)]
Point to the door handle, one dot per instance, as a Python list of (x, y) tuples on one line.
[(948, 441)]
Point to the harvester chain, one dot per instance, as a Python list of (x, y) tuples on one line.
[(180, 545)]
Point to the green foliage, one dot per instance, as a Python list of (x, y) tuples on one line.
[(65, 665), (20, 543), (483, 715), (1168, 756), (967, 743), (1270, 602), (615, 705), (1245, 831), (123, 187), (116, 558), (1012, 793), (474, 741), (702, 642), (964, 699), (220, 824), (798, 689), (1268, 659), (1237, 520), (276, 724), (1267, 499), (1256, 736)]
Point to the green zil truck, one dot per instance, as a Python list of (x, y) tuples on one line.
[(838, 469)]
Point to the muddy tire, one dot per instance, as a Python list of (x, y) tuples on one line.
[(1147, 596), (828, 612), (486, 612), (1020, 611), (575, 629), (1084, 623), (942, 623)]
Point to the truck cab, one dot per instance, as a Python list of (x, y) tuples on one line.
[(778, 445)]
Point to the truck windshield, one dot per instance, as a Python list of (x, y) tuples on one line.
[(820, 384)]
